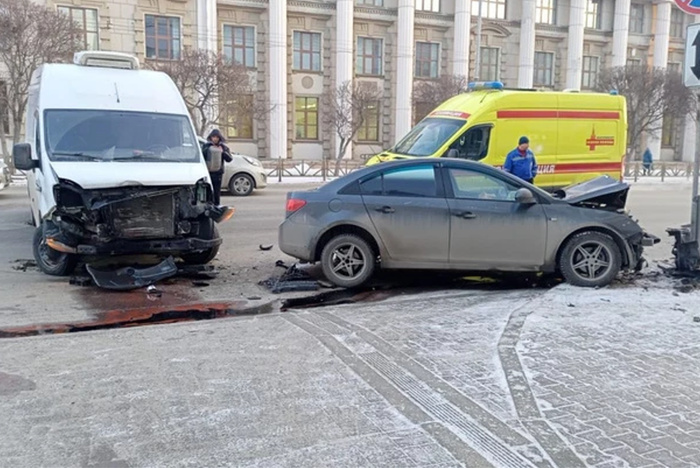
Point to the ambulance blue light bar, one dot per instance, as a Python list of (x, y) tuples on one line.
[(474, 86)]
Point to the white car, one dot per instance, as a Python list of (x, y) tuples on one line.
[(242, 175), (5, 178)]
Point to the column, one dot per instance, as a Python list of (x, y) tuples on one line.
[(689, 129), (526, 68), (621, 33), (462, 29), (574, 60), (207, 25), (278, 78), (404, 69), (662, 32), (345, 10)]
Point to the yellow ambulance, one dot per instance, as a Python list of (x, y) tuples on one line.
[(574, 136)]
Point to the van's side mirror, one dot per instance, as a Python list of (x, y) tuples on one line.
[(525, 197), (22, 157), (452, 153)]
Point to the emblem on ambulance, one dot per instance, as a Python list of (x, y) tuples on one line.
[(594, 141)]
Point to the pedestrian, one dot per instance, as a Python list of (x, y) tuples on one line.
[(647, 162), (215, 153), (521, 161)]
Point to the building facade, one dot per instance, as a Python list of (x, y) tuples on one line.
[(296, 50)]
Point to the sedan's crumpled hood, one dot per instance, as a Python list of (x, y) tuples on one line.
[(98, 175), (603, 192)]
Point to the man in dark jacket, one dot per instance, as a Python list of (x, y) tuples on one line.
[(215, 153), (521, 161)]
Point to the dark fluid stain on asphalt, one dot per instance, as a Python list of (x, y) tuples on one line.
[(394, 284), (126, 318)]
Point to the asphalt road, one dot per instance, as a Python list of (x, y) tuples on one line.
[(242, 261), (524, 378)]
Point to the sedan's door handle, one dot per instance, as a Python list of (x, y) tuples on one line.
[(385, 209), (464, 214)]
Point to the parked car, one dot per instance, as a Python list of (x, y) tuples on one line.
[(5, 176), (242, 175), (451, 214)]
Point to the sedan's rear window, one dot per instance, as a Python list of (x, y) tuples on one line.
[(415, 181)]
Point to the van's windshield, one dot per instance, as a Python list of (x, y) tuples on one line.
[(428, 136), (99, 135)]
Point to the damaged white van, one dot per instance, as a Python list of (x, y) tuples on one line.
[(114, 166)]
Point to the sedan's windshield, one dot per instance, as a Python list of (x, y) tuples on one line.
[(428, 136), (97, 135)]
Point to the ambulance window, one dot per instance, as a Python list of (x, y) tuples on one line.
[(473, 144)]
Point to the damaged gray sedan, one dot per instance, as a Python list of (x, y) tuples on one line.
[(458, 215)]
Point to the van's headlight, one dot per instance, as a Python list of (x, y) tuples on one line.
[(252, 161)]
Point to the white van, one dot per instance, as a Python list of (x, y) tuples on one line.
[(114, 166)]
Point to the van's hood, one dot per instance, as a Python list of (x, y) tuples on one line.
[(99, 175), (603, 192)]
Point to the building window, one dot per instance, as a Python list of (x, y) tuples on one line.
[(677, 23), (239, 119), (593, 11), (546, 12), (427, 59), (544, 69), (637, 18), (306, 118), (369, 56), (428, 5), (307, 51), (674, 67), (369, 131), (591, 67), (668, 132), (421, 110), (371, 2), (490, 64), (86, 24), (634, 62), (4, 109), (239, 45), (162, 37), (494, 9)]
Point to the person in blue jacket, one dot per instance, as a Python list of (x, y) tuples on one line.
[(647, 162), (521, 161)]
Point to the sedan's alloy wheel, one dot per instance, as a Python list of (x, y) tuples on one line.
[(591, 260), (348, 261)]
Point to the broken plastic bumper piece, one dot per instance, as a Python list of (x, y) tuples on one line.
[(649, 240), (124, 279)]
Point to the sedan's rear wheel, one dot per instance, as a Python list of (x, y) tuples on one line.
[(348, 261), (590, 259)]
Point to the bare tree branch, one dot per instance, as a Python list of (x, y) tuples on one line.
[(429, 94), (31, 34), (652, 95), (216, 91), (346, 109)]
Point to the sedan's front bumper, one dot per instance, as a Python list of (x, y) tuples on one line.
[(260, 177)]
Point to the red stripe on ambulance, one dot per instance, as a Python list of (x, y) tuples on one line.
[(554, 114), (577, 168)]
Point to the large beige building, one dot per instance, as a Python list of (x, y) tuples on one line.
[(297, 49)]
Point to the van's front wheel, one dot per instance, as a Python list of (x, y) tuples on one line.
[(51, 261)]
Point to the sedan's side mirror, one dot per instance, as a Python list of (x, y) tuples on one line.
[(22, 157), (525, 197), (452, 153)]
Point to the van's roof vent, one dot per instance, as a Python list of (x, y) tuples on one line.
[(106, 60)]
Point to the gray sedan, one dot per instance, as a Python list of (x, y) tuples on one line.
[(448, 214)]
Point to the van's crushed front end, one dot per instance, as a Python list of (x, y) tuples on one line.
[(177, 221)]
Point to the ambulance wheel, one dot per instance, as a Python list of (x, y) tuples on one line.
[(51, 261), (590, 259)]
